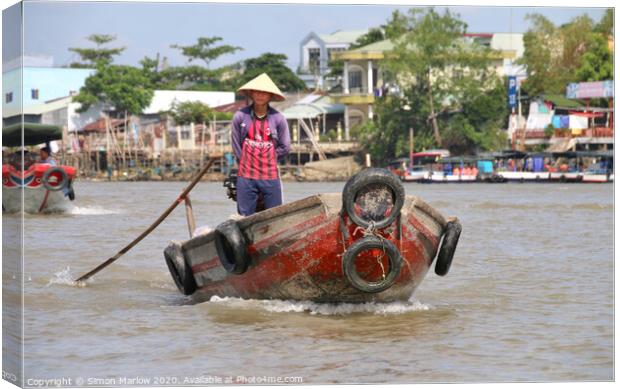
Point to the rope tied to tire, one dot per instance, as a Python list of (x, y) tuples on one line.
[(372, 231)]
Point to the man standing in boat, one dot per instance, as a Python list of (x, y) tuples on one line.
[(260, 136)]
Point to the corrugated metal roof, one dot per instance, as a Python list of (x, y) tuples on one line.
[(342, 36), (323, 105)]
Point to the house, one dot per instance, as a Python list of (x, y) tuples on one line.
[(316, 50), (37, 83), (566, 123), (363, 76)]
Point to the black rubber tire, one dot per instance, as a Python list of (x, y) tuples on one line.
[(373, 176), (180, 270), (231, 247), (371, 242), (71, 193), (64, 179), (448, 247)]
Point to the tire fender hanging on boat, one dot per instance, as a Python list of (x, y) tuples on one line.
[(369, 178), (179, 269), (62, 181), (231, 247), (366, 243), (448, 247)]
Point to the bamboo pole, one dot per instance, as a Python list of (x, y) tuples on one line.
[(189, 213), (157, 222)]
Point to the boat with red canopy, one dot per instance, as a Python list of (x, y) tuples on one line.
[(44, 187)]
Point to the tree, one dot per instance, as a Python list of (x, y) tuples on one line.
[(597, 61), (275, 66), (91, 58), (450, 94), (539, 57), (191, 77), (205, 50), (397, 26), (427, 52), (125, 88), (191, 112), (576, 51), (606, 24)]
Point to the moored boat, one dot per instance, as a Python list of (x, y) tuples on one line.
[(370, 243), (44, 187)]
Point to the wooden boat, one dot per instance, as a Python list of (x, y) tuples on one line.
[(597, 177), (370, 243), (44, 187), (524, 176)]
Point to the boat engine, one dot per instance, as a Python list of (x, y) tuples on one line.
[(230, 183)]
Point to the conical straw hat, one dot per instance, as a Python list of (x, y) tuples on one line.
[(263, 83)]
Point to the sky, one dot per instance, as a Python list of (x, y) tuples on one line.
[(146, 29)]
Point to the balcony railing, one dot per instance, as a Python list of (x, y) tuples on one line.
[(596, 132)]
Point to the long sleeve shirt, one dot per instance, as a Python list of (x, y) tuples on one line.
[(257, 144)]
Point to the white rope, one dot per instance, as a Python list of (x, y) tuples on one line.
[(372, 231)]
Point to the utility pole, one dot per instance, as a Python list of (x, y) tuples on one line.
[(410, 148)]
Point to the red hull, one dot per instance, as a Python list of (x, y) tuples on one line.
[(296, 253)]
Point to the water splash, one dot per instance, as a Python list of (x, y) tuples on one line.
[(202, 230), (64, 277), (92, 210), (327, 309)]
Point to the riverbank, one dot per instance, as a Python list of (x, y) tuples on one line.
[(331, 170)]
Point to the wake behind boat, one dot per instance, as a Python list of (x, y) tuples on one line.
[(369, 243)]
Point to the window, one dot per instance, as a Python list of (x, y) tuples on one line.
[(185, 134), (331, 52), (34, 94), (355, 80), (314, 60), (8, 97)]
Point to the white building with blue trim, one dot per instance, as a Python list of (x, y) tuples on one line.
[(316, 50)]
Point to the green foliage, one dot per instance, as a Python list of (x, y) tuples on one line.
[(397, 26), (373, 35), (191, 77), (597, 61), (91, 58), (330, 136), (191, 112), (124, 87), (439, 76), (275, 66), (606, 24), (576, 51), (549, 130), (205, 50)]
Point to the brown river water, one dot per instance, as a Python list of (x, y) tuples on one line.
[(529, 297)]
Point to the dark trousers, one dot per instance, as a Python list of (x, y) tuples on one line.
[(249, 189)]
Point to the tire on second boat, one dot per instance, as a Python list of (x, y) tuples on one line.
[(64, 179), (231, 247), (371, 242), (373, 176)]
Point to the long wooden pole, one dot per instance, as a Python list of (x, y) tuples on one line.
[(157, 222)]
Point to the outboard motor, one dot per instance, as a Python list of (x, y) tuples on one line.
[(230, 183)]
